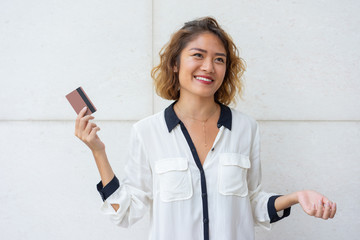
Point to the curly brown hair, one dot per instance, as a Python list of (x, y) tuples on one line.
[(167, 81)]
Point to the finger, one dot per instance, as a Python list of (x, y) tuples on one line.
[(84, 121), (81, 113), (327, 211), (79, 130), (89, 127), (79, 116), (320, 210), (333, 210), (93, 132), (312, 210), (325, 200)]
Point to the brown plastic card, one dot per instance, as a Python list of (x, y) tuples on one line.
[(78, 100)]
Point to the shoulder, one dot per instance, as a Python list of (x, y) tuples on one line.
[(240, 118), (244, 126), (153, 122)]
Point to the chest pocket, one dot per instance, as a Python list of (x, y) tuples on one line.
[(174, 179), (232, 174)]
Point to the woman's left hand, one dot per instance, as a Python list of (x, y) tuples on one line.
[(315, 204)]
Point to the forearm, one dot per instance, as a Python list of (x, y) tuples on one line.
[(103, 165), (286, 201), (105, 170)]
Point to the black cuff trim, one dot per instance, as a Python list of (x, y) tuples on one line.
[(274, 217), (109, 189)]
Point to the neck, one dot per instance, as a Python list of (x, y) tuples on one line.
[(197, 107)]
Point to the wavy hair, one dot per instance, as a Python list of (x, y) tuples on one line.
[(166, 81)]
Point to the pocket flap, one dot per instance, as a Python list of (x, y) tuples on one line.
[(171, 164), (235, 159)]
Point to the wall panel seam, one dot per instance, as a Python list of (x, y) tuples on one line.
[(135, 120), (152, 53)]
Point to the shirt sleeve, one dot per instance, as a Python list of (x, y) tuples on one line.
[(109, 189), (262, 203), (273, 214), (134, 192)]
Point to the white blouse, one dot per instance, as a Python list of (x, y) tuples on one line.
[(223, 199)]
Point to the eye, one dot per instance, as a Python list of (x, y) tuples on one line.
[(198, 55), (221, 60)]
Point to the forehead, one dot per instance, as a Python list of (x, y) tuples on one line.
[(206, 41)]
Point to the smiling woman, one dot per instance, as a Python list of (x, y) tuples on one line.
[(196, 165), (202, 70), (165, 76)]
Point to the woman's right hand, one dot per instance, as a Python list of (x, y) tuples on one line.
[(86, 131)]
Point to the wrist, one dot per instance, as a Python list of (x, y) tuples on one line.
[(98, 153), (295, 197)]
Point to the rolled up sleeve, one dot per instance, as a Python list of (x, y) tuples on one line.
[(262, 203), (133, 193)]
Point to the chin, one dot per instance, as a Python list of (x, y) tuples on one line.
[(206, 95), (203, 93)]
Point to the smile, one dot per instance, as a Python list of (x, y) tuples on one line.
[(205, 79)]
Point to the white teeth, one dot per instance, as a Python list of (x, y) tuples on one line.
[(203, 79)]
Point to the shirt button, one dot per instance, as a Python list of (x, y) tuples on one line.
[(219, 125), (206, 220), (212, 149), (203, 195)]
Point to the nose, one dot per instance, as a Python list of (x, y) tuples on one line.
[(207, 66)]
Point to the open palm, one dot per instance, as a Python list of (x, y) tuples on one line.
[(317, 205)]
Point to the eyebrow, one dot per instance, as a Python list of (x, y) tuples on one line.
[(204, 51)]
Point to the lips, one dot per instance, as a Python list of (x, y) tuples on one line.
[(204, 79)]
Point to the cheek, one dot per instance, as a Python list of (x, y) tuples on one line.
[(222, 75), (222, 72), (187, 68)]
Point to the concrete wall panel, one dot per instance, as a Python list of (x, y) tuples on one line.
[(322, 156), (49, 182), (49, 48), (302, 56), (302, 84)]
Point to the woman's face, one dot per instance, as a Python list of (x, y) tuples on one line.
[(202, 66)]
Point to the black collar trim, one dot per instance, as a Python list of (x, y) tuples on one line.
[(172, 120)]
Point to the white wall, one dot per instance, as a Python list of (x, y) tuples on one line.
[(302, 85)]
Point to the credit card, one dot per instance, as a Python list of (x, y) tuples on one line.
[(79, 99)]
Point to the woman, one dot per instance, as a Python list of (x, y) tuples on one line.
[(195, 166)]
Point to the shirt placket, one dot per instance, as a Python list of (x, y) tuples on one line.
[(204, 195)]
